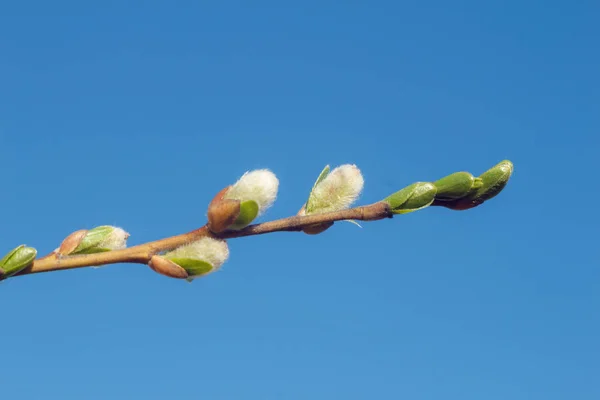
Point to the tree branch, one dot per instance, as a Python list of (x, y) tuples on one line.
[(230, 213), (141, 254)]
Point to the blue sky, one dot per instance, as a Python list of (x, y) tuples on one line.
[(137, 113)]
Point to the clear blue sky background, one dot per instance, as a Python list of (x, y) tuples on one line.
[(136, 113)]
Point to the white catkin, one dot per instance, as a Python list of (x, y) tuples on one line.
[(338, 190), (259, 185), (116, 240), (213, 251)]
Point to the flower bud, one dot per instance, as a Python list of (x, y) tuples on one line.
[(16, 260), (256, 192), (412, 198), (201, 257), (97, 240)]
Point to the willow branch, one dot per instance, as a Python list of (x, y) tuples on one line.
[(141, 254), (230, 213)]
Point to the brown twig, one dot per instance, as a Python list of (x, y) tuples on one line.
[(141, 254)]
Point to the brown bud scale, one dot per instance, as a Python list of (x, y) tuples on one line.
[(71, 242), (167, 268), (222, 213)]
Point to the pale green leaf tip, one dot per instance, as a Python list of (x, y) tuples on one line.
[(308, 207), (249, 210), (194, 267)]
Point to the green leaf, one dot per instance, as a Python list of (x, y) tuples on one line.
[(248, 212), (17, 260), (10, 254), (92, 239), (454, 186), (412, 198), (309, 206), (194, 267), (493, 181), (400, 197)]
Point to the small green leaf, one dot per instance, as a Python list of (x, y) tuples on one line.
[(400, 197), (412, 198), (248, 212), (10, 254), (322, 175), (309, 206), (92, 239), (17, 260), (493, 181), (194, 267), (454, 186)]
